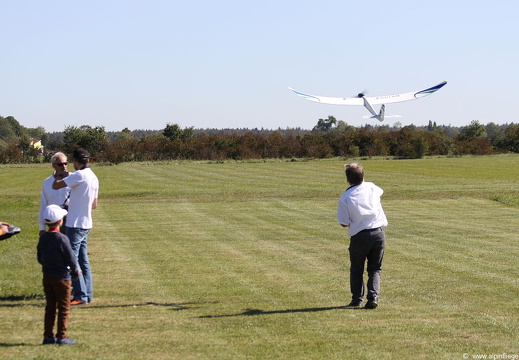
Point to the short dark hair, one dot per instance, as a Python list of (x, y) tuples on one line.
[(354, 173)]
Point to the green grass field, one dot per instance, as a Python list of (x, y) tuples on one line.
[(245, 260)]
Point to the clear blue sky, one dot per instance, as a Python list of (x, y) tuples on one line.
[(227, 64)]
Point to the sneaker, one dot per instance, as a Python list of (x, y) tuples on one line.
[(66, 341), (49, 340), (78, 302)]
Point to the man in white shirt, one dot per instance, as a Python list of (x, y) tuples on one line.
[(50, 196), (361, 211), (84, 188)]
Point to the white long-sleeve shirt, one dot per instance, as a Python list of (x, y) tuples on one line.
[(49, 196), (360, 208)]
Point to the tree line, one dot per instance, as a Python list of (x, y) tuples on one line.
[(328, 138)]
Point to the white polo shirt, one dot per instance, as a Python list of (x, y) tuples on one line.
[(84, 188), (360, 208)]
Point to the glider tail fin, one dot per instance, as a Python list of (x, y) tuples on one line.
[(380, 116)]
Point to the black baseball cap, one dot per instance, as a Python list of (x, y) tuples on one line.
[(80, 153)]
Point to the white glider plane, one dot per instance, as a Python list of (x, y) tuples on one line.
[(367, 102)]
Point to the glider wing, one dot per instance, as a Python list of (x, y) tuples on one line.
[(389, 99), (374, 100), (329, 100)]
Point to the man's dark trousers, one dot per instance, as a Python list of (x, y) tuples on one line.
[(367, 244)]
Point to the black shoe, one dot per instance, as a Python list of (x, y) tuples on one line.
[(355, 303), (49, 340), (371, 304)]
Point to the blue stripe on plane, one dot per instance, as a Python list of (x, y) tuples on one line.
[(432, 89), (305, 95)]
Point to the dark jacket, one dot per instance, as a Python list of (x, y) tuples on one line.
[(56, 256)]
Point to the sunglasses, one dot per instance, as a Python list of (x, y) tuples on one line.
[(61, 163)]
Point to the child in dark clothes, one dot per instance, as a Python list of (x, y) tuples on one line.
[(58, 262)]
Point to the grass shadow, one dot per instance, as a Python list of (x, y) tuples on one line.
[(2, 344), (22, 297), (15, 301), (256, 312), (173, 306), (11, 299)]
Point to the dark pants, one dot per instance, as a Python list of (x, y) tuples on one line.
[(367, 244), (57, 294)]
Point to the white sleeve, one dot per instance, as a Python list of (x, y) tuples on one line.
[(343, 216), (43, 205)]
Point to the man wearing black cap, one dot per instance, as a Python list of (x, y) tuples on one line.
[(84, 188)]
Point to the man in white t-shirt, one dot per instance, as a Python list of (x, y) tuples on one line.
[(50, 196), (84, 188), (361, 211)]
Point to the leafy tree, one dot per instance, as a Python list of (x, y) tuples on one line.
[(37, 133), (473, 131), (7, 132), (511, 138), (18, 129), (342, 126), (91, 139), (25, 147), (187, 134), (495, 134), (420, 146), (397, 125), (125, 134), (431, 125), (11, 154), (172, 132), (324, 125), (316, 146)]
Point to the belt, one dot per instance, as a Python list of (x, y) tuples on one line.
[(371, 230)]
